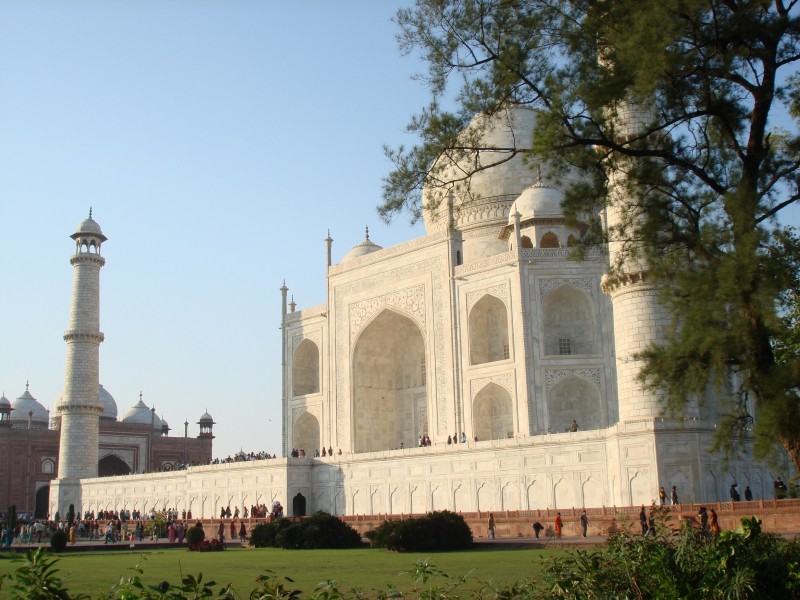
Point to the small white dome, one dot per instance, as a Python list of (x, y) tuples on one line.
[(108, 403), (206, 418), (537, 202), (364, 248), (25, 404), (4, 402)]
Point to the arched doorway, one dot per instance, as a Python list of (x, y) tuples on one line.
[(299, 505), (491, 415), (112, 464), (389, 384), (42, 502), (305, 433)]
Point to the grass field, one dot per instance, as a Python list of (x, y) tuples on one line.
[(367, 569)]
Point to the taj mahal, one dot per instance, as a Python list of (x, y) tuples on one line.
[(485, 336)]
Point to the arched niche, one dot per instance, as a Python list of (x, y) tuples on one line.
[(574, 398), (568, 322), (488, 331), (112, 464), (389, 383), (305, 368), (305, 433), (492, 413), (525, 242), (549, 240)]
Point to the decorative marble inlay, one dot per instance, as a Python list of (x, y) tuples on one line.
[(504, 380), (410, 300), (500, 291), (312, 336), (553, 376), (486, 263), (559, 253), (587, 284)]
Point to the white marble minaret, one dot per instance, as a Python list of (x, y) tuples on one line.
[(79, 406)]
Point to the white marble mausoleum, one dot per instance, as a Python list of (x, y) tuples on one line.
[(486, 329)]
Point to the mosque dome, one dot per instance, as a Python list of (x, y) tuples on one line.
[(26, 404), (4, 402), (511, 127), (362, 249), (108, 403), (140, 414), (537, 201), (206, 418)]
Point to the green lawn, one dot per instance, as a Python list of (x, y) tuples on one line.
[(367, 569)]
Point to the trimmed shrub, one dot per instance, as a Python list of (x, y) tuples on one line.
[(320, 530), (263, 535), (58, 541), (195, 536), (436, 531)]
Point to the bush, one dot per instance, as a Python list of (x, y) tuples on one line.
[(58, 541), (263, 535), (195, 536), (746, 563), (320, 530), (436, 531)]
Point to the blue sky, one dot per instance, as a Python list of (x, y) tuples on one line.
[(217, 143)]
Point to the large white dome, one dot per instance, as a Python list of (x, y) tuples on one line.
[(494, 136)]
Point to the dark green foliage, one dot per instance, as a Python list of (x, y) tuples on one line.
[(690, 564), (58, 540), (320, 530), (264, 535), (436, 531), (37, 579), (195, 535)]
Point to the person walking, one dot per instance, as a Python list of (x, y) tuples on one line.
[(491, 525), (674, 496)]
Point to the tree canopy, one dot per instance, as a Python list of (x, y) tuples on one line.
[(709, 171)]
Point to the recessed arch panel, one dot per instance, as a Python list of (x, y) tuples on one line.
[(305, 433), (305, 368), (389, 384), (574, 398), (568, 321), (488, 331), (492, 413)]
